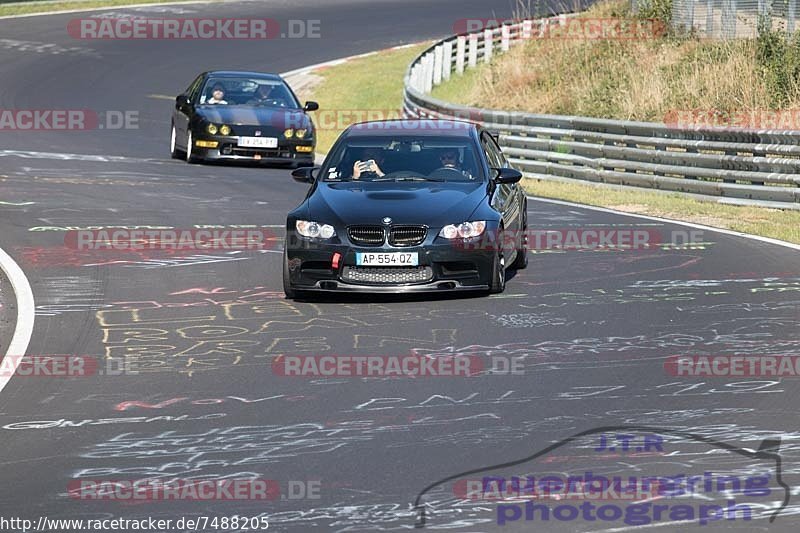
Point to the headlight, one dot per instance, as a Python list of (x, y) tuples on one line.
[(212, 129), (300, 133), (312, 229), (465, 230), (288, 133), (225, 130)]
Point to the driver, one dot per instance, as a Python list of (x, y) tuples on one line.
[(449, 159), (265, 95), (371, 161)]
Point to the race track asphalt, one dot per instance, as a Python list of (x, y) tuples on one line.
[(588, 331)]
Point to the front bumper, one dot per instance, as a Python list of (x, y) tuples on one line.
[(227, 149), (447, 268)]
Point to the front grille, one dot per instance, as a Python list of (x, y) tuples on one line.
[(407, 235), (366, 235), (250, 152), (386, 275)]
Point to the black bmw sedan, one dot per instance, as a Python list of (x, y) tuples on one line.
[(404, 206), (242, 116)]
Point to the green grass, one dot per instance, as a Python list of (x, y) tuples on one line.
[(26, 8), (775, 223), (370, 84), (459, 84)]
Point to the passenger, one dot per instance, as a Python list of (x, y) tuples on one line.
[(217, 95)]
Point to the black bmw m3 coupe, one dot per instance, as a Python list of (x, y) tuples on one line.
[(405, 206)]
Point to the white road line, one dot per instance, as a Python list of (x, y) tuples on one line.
[(670, 221), (25, 315)]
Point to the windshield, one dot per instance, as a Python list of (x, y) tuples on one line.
[(247, 92), (404, 158)]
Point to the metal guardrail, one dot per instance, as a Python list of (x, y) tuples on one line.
[(739, 166)]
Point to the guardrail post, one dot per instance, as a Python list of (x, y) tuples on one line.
[(437, 65), (729, 19), (690, 8), (461, 51), (473, 50), (488, 45), (428, 72), (447, 60), (527, 29), (505, 33)]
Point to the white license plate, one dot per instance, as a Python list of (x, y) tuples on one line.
[(387, 259), (258, 142)]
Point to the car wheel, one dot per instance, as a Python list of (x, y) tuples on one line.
[(190, 157), (287, 285), (173, 144), (521, 261), (498, 274)]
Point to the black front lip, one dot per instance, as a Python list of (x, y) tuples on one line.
[(319, 276), (433, 286)]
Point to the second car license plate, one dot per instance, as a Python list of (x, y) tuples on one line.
[(258, 142), (387, 259)]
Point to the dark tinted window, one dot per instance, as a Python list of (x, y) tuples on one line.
[(406, 157), (251, 91)]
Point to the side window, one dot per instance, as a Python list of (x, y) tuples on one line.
[(491, 154), (493, 144)]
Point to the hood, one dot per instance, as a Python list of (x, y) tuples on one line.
[(433, 204), (233, 115)]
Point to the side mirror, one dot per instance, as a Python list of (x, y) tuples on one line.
[(310, 106), (304, 174), (507, 175), (182, 99)]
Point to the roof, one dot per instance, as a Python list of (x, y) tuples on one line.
[(244, 73), (413, 126)]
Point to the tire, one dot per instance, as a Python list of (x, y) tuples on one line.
[(174, 151), (190, 157), (287, 285), (498, 283), (521, 261)]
